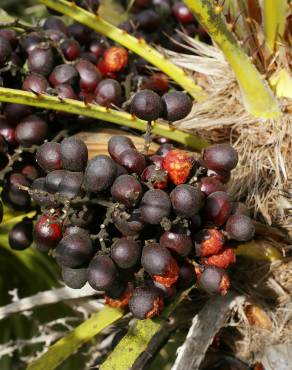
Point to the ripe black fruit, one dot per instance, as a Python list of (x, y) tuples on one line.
[(146, 302), (178, 241), (156, 259), (102, 273), (53, 180), (127, 190), (186, 275), (118, 144), (74, 154), (5, 50), (20, 236), (41, 60), (48, 156), (31, 130), (70, 184), (74, 250), (148, 20), (155, 205), (64, 74), (214, 280), (218, 208), (108, 93), (128, 224), (220, 157), (126, 252), (177, 105), (147, 105), (74, 278), (89, 75), (186, 200), (240, 228), (100, 173), (35, 83), (132, 160)]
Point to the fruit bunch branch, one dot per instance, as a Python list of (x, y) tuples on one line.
[(257, 96), (138, 46), (98, 112)]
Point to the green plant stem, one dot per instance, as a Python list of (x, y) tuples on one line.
[(99, 112), (257, 96), (138, 46), (66, 346), (274, 21)]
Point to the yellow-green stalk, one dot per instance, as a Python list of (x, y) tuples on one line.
[(274, 21), (257, 96), (99, 112), (138, 46)]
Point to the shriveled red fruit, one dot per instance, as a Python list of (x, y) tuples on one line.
[(220, 157), (217, 208), (177, 240), (214, 280), (209, 185), (223, 259), (208, 242), (240, 227), (146, 302), (114, 59), (160, 264), (47, 232), (157, 177), (178, 164)]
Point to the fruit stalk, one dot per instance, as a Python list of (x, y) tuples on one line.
[(274, 21), (138, 46), (257, 96), (98, 112)]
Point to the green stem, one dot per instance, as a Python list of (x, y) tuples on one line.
[(257, 96), (138, 46), (99, 112), (66, 346), (274, 21)]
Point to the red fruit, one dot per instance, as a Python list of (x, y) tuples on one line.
[(170, 276), (114, 59), (208, 242), (178, 164), (157, 82), (222, 259), (47, 232)]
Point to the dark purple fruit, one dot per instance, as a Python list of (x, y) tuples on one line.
[(35, 83), (10, 35), (15, 197), (214, 280), (71, 49), (74, 278), (30, 172), (48, 156), (155, 176), (5, 50), (240, 227), (147, 105), (156, 259), (100, 173), (239, 208), (164, 149), (74, 250), (182, 13), (128, 224), (41, 60), (7, 131), (20, 236), (31, 130), (222, 176), (47, 233), (65, 91), (41, 197), (133, 161), (108, 93), (126, 252), (177, 241), (80, 33), (186, 275), (127, 190), (64, 74), (54, 23), (148, 20), (220, 157), (118, 144), (89, 75), (74, 154), (53, 180), (177, 105), (29, 41), (16, 112), (155, 205), (209, 185), (102, 273), (217, 208), (146, 302), (186, 200), (70, 184)]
